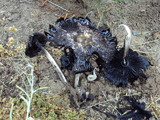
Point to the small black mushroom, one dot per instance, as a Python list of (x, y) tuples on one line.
[(126, 66), (121, 73), (36, 43), (32, 48)]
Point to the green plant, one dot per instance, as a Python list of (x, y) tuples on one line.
[(28, 93), (44, 107)]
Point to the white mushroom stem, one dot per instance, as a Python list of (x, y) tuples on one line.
[(127, 41), (93, 76), (54, 64), (76, 81)]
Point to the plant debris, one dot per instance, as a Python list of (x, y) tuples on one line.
[(136, 110), (133, 109)]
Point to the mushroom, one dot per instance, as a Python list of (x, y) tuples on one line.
[(36, 43), (126, 65)]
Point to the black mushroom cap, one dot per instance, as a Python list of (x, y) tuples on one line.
[(84, 39), (32, 48), (121, 74)]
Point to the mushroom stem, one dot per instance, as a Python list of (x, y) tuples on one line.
[(54, 64), (76, 81), (127, 42), (93, 76)]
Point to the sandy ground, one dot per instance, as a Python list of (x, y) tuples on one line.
[(29, 16)]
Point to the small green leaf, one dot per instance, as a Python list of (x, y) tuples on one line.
[(23, 91), (40, 89)]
